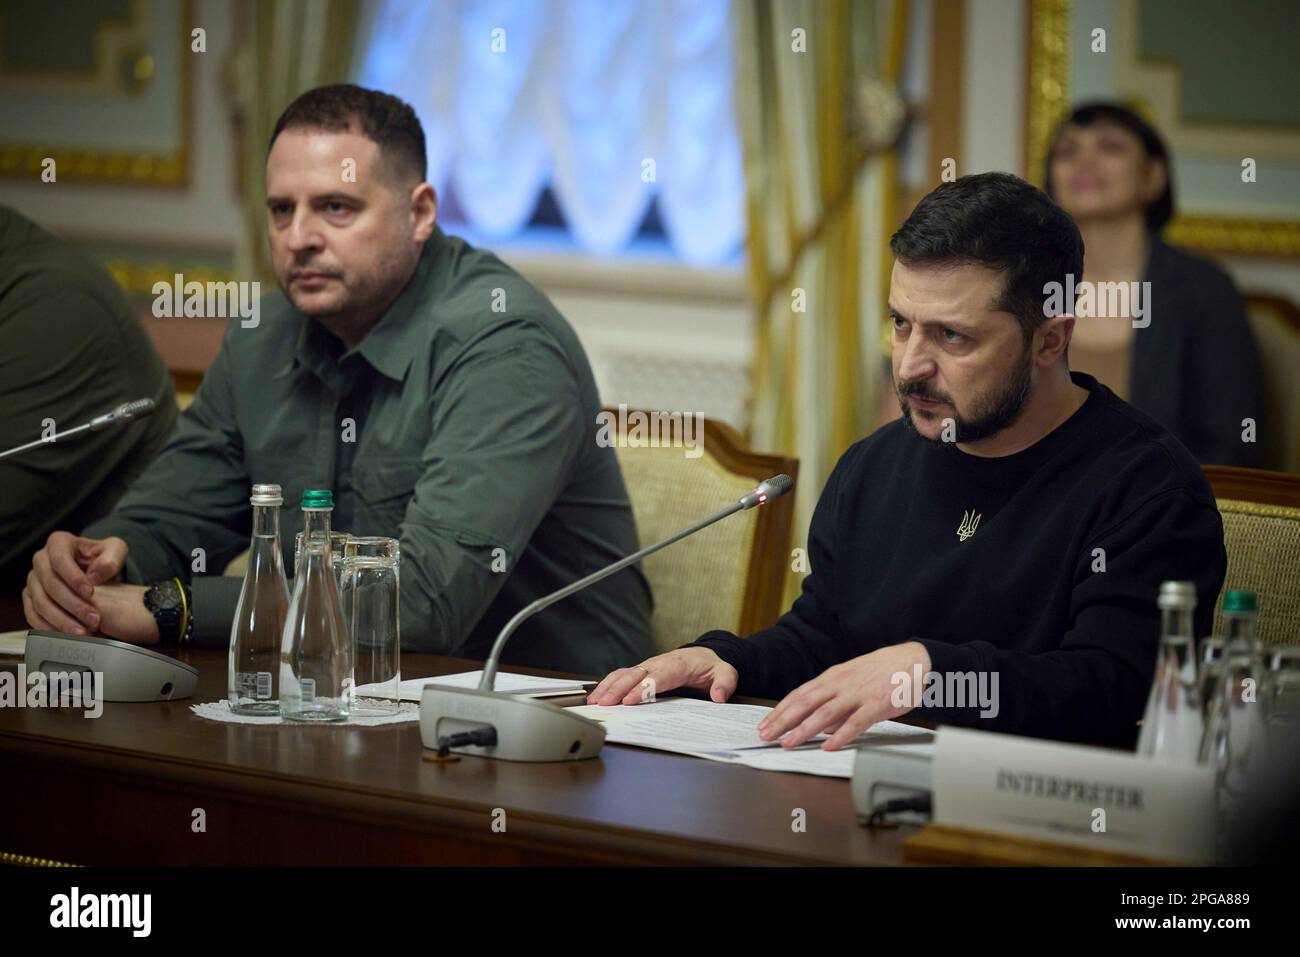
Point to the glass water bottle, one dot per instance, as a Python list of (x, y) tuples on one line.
[(315, 654), (1173, 724), (1234, 737), (253, 676), (1212, 665)]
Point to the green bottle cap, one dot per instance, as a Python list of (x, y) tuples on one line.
[(1240, 601), (317, 498)]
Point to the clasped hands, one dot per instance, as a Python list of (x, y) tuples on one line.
[(73, 588)]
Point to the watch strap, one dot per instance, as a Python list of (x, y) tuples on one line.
[(169, 602)]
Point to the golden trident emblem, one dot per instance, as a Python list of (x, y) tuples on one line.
[(969, 522)]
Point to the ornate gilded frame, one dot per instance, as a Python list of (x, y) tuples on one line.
[(118, 167), (1047, 99)]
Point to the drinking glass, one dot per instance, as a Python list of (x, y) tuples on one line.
[(369, 591), (1282, 683)]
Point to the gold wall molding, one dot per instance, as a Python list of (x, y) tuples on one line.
[(1048, 96), (9, 859), (1225, 234), (116, 43), (119, 167), (139, 278), (142, 169)]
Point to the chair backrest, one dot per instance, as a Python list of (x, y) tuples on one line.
[(1276, 324), (731, 574), (1261, 530)]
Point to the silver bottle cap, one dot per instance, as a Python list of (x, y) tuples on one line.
[(267, 495), (1175, 595)]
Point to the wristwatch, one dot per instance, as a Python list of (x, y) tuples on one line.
[(169, 602)]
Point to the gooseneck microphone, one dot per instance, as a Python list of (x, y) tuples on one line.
[(124, 413), (765, 491), (524, 729)]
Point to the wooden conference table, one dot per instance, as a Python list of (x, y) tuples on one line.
[(122, 790)]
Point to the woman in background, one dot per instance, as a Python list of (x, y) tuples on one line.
[(1194, 368)]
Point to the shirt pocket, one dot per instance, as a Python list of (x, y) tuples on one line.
[(484, 551), (384, 487)]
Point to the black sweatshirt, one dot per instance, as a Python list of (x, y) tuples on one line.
[(1074, 648)]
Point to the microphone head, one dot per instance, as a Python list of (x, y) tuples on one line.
[(124, 413), (135, 410), (776, 486), (768, 489)]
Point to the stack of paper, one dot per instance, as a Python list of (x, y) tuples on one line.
[(729, 733), (13, 643), (526, 686)]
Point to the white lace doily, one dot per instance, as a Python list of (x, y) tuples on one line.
[(220, 711)]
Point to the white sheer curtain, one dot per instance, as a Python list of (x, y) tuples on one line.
[(609, 102)]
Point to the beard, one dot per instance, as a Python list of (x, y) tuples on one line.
[(344, 297), (992, 412), (357, 296)]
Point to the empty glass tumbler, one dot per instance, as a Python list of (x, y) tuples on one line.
[(370, 596), (1282, 684)]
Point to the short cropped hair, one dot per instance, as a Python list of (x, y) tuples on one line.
[(388, 121), (1001, 222), (1160, 210)]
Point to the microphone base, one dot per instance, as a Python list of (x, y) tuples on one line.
[(527, 730)]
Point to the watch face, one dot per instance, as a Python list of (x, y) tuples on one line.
[(166, 597)]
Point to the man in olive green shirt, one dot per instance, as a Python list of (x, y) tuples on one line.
[(440, 396), (71, 348)]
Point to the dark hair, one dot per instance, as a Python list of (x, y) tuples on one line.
[(999, 221), (385, 119), (1161, 209)]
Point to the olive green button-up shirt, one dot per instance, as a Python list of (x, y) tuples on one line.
[(464, 425)]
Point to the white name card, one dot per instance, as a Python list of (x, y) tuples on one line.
[(1092, 797)]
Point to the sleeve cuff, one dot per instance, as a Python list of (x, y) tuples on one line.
[(732, 649), (215, 599), (945, 657)]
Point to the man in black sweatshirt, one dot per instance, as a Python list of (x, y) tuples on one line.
[(991, 559)]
